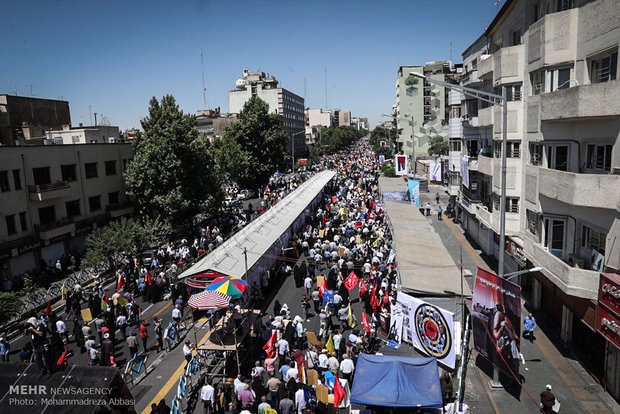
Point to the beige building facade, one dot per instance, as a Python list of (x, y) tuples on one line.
[(52, 196)]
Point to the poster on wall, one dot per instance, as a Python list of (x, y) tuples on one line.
[(496, 306), (400, 164), (414, 191), (429, 328), (435, 171)]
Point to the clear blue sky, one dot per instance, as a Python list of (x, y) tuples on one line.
[(116, 55)]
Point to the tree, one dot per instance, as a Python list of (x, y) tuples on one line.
[(172, 174), (334, 139), (254, 147), (10, 305), (438, 146), (108, 245)]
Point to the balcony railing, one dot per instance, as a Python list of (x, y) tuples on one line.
[(49, 226), (41, 188)]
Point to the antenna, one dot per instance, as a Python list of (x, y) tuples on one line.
[(204, 90), (15, 90), (325, 88), (450, 52), (30, 86), (90, 111)]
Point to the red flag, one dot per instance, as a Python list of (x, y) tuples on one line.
[(63, 358), (270, 346), (106, 299), (339, 393), (121, 282), (365, 322), (374, 302), (149, 278), (323, 287), (351, 281), (385, 298), (363, 287), (48, 310)]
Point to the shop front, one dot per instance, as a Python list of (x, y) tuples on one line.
[(608, 325)]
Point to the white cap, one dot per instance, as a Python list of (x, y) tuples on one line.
[(548, 387)]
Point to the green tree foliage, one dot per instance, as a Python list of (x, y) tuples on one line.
[(388, 169), (379, 134), (334, 139), (10, 304), (172, 174), (438, 146), (254, 147), (126, 237)]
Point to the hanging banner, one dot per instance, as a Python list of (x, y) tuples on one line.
[(414, 191), (381, 158), (328, 296), (396, 323), (465, 170), (400, 165), (428, 328), (435, 171), (496, 312)]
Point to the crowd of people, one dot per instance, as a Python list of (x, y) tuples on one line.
[(345, 243)]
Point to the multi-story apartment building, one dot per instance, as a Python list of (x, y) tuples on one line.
[(557, 60), (317, 117), (424, 103), (359, 123), (52, 196), (342, 118), (98, 134), (212, 124), (23, 118), (281, 101)]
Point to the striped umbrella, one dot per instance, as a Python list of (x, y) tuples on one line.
[(209, 300), (232, 286)]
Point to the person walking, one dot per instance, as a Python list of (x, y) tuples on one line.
[(5, 348), (159, 337), (428, 209), (187, 350), (144, 335), (547, 400), (305, 305), (529, 326), (121, 322), (207, 395), (439, 213), (132, 344), (437, 197)]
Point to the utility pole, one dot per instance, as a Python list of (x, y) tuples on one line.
[(204, 90), (95, 118)]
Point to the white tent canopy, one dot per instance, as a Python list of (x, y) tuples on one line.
[(264, 236)]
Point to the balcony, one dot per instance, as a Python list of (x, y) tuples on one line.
[(571, 280), (485, 67), (455, 97), (508, 65), (471, 78), (485, 116), (119, 210), (470, 121), (485, 165), (586, 190), (553, 40), (585, 101), (55, 229), (472, 164), (43, 192)]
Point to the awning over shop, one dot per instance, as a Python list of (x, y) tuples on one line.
[(393, 381)]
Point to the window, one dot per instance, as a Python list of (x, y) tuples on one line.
[(22, 221), (513, 149), (516, 37), (599, 157), (73, 208), (41, 175), (10, 224), (455, 145), (564, 5), (604, 68), (512, 203), (47, 215), (113, 198), (4, 181), (94, 203), (557, 157), (536, 12), (537, 80), (564, 78), (110, 168), (68, 172), (456, 112), (17, 179), (472, 107), (536, 154), (593, 239), (533, 220), (554, 236), (513, 92), (91, 170)]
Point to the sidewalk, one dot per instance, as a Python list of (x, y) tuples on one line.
[(547, 359)]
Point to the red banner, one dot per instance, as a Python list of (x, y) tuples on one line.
[(270, 346), (363, 287), (339, 393), (608, 325), (365, 322), (351, 281)]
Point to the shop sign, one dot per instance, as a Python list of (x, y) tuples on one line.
[(609, 292), (25, 248), (608, 325)]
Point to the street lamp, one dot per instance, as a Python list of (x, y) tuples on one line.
[(412, 123), (293, 149), (495, 100), (520, 272)]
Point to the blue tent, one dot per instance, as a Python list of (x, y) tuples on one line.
[(394, 381)]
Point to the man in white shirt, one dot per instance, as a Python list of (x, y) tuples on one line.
[(239, 385), (323, 360), (62, 330), (207, 394), (283, 349), (347, 367), (176, 314), (300, 401), (264, 404), (308, 285)]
